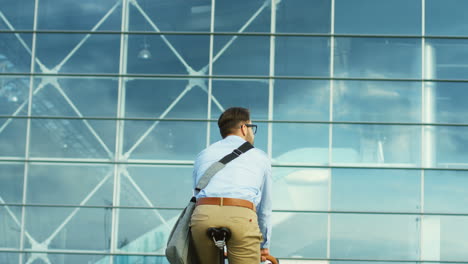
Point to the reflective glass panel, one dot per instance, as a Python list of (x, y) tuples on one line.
[(251, 94), (168, 54), (444, 238), (377, 144), (300, 188), (67, 258), (164, 140), (17, 15), (68, 228), (78, 53), (302, 56), (303, 16), (377, 190), (242, 16), (148, 15), (79, 15), (133, 259), (299, 235), (372, 262), (154, 186), (377, 57), (378, 17), (241, 55), (166, 98), (12, 137), (377, 101), (14, 95), (300, 143), (446, 58), (383, 237), (73, 97), (302, 100), (446, 17), (70, 184), (446, 191), (449, 101), (71, 138), (15, 52), (450, 145), (145, 231), (10, 228), (11, 182)]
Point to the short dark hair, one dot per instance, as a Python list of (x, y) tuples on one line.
[(230, 119)]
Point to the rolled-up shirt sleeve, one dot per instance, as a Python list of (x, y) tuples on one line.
[(264, 208)]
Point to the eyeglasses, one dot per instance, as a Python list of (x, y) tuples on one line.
[(254, 127)]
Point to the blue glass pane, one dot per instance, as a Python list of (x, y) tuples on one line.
[(9, 257), (132, 259), (303, 16), (377, 57), (378, 17), (72, 138), (166, 98), (68, 228), (77, 53), (451, 145), (170, 15), (10, 228), (299, 235), (12, 137), (67, 258), (377, 101), (245, 15), (72, 97), (446, 58), (79, 15), (449, 101), (376, 190), (300, 188), (446, 17), (382, 237), (444, 238), (14, 95), (251, 94), (446, 191), (303, 100), (15, 53), (171, 54), (241, 55), (377, 144), (145, 231), (300, 143), (17, 15), (164, 140), (70, 184), (302, 56), (152, 183), (11, 182)]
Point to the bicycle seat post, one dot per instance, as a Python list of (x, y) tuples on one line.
[(220, 237)]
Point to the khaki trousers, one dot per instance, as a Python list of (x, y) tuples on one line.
[(244, 244)]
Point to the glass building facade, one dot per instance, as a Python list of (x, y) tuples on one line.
[(360, 105)]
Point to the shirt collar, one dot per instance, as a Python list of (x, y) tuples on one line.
[(234, 138)]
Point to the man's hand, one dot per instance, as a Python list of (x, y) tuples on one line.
[(264, 252)]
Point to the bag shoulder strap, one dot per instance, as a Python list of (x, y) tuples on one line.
[(219, 165)]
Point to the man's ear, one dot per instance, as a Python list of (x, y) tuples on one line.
[(242, 130)]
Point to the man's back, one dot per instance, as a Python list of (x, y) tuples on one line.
[(242, 178)]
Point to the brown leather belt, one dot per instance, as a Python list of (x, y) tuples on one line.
[(226, 201)]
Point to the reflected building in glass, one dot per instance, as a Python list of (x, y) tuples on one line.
[(360, 104)]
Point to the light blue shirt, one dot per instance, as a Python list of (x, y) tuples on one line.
[(247, 177)]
